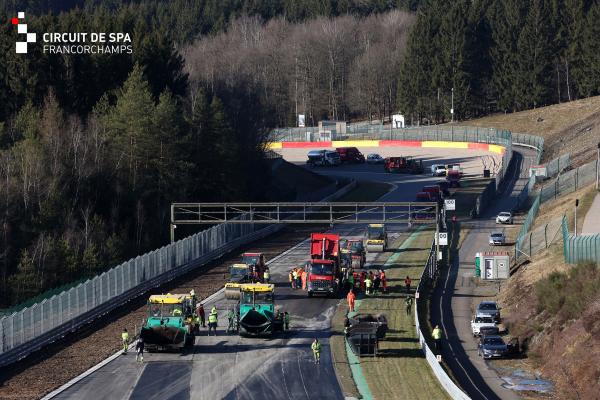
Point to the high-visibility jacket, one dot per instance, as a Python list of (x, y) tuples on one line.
[(437, 333), (125, 336), (177, 311), (351, 297), (316, 347), (266, 275), (295, 274), (212, 318), (213, 310), (368, 283)]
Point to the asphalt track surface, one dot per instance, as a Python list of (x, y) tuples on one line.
[(281, 367), (452, 306)]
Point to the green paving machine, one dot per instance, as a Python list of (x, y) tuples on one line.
[(257, 310), (171, 323)]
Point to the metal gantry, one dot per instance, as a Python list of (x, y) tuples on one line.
[(304, 213)]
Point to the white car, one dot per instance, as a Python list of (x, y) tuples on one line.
[(438, 170), (497, 239), (504, 217), (374, 158), (481, 322)]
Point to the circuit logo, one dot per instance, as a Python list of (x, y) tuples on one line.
[(21, 47)]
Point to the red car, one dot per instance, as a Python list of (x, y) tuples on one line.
[(350, 155)]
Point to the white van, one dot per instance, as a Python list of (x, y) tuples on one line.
[(323, 158), (438, 170)]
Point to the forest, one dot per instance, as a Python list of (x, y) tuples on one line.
[(93, 148)]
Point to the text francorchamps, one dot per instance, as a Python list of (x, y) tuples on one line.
[(87, 43)]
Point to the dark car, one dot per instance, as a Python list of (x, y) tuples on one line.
[(488, 309), (492, 346), (350, 155)]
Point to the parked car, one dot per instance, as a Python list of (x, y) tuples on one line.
[(497, 239), (438, 170), (323, 158), (479, 323), (492, 346), (453, 178), (375, 158), (488, 309), (505, 217), (350, 155)]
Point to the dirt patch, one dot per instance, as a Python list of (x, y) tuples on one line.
[(567, 128)]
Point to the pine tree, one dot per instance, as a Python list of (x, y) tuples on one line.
[(132, 127), (589, 76), (534, 66)]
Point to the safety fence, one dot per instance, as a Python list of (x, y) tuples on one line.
[(575, 248), (580, 248), (569, 181), (557, 165), (30, 329), (429, 273), (378, 132)]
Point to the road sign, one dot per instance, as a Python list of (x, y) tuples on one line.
[(450, 204), (443, 238)]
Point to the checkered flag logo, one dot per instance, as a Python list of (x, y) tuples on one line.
[(21, 47)]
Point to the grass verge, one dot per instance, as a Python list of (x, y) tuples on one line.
[(364, 191), (400, 371)]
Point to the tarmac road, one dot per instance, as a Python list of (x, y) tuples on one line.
[(227, 366), (452, 306)]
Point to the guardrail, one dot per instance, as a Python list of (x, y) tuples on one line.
[(447, 383), (34, 327)]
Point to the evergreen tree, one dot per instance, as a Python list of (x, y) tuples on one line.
[(534, 65)]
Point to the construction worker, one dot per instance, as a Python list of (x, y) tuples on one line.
[(201, 315), (231, 319), (286, 320), (351, 280), (291, 279), (316, 348), (437, 337), (266, 275), (363, 275), (303, 276), (407, 282), (125, 339), (408, 301), (368, 285), (351, 297), (140, 350), (299, 277), (212, 321), (193, 294), (294, 278), (177, 312), (376, 283), (383, 280)]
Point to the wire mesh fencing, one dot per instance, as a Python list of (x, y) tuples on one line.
[(569, 181), (580, 248)]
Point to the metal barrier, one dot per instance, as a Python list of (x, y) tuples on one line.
[(447, 383), (32, 328), (569, 182), (581, 248), (557, 165)]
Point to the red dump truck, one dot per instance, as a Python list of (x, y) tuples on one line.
[(323, 269)]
